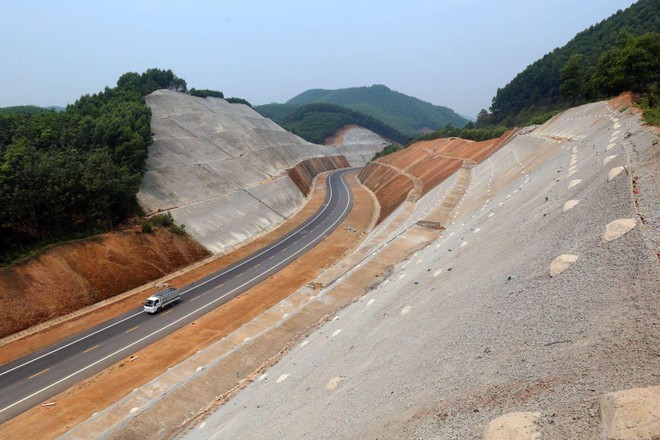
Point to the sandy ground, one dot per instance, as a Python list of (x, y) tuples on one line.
[(92, 395), (478, 324)]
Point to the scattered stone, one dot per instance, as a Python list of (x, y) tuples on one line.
[(406, 310), (514, 426), (333, 383), (631, 414), (570, 204), (618, 228), (561, 263)]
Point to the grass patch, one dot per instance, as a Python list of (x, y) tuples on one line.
[(650, 109)]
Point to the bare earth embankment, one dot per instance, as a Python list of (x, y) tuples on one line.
[(66, 278)]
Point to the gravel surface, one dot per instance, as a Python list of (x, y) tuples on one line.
[(474, 326)]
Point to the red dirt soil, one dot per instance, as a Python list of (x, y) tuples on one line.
[(304, 172), (429, 161), (68, 277)]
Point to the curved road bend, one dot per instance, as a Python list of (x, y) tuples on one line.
[(32, 379)]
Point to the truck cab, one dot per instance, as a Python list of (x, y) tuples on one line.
[(152, 304)]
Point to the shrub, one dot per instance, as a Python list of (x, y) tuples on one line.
[(178, 229), (146, 227)]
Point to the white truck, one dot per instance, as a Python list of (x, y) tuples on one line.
[(158, 301)]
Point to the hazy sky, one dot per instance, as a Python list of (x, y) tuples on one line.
[(448, 52)]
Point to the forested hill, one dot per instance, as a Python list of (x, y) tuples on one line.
[(71, 173), (537, 88), (404, 113), (318, 121)]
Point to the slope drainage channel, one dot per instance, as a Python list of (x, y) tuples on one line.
[(62, 365)]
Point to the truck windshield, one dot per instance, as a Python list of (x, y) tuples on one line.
[(149, 303)]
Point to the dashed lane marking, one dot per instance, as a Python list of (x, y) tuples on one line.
[(39, 373), (92, 348), (131, 329)]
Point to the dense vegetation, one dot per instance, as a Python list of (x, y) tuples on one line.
[(471, 131), (204, 93), (238, 101), (71, 173), (538, 89), (404, 113), (317, 122)]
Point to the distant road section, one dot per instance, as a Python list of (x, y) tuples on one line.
[(34, 378)]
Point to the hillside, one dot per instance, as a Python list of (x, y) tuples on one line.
[(404, 113), (537, 88), (221, 168), (525, 282), (318, 121)]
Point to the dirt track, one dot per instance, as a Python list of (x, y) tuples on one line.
[(94, 394)]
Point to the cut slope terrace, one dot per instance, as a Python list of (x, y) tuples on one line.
[(413, 172)]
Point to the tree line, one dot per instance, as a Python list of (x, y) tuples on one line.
[(74, 172)]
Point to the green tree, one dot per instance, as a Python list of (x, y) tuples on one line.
[(572, 76), (634, 64)]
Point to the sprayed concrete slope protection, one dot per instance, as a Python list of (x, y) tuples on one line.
[(539, 298), (221, 168)]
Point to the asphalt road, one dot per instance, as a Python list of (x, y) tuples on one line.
[(31, 380)]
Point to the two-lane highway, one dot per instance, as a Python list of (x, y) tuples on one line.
[(32, 379)]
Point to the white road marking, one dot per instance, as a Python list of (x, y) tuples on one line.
[(406, 310), (282, 378), (370, 302), (335, 333)]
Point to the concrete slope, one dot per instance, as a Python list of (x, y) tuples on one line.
[(539, 297), (221, 168), (358, 144)]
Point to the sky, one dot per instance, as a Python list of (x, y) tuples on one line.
[(447, 52)]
